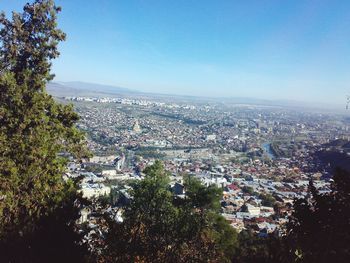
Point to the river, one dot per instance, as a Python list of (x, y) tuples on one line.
[(267, 148)]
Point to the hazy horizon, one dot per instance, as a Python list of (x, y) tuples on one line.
[(88, 89), (296, 51)]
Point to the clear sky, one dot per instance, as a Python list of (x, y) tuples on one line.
[(297, 49)]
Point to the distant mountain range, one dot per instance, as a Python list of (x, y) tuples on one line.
[(84, 89), (77, 88)]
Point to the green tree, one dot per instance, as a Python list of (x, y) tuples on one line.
[(207, 201), (248, 189), (147, 220), (225, 237), (158, 227), (267, 200), (35, 134), (201, 196)]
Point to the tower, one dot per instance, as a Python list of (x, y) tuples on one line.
[(136, 128)]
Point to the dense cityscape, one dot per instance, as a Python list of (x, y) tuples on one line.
[(262, 157)]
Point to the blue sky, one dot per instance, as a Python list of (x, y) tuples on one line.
[(297, 50)]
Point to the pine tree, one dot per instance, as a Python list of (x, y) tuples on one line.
[(36, 132)]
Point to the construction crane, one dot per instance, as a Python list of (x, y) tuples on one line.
[(347, 102)]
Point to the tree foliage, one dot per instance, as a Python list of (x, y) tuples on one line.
[(35, 131), (267, 200), (158, 227)]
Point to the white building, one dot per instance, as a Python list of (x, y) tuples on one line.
[(94, 190)]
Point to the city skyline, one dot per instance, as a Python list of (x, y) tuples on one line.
[(290, 51)]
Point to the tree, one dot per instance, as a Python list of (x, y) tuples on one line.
[(225, 237), (34, 131), (267, 200), (253, 249), (248, 189), (158, 227), (207, 201), (149, 220), (200, 196), (319, 229)]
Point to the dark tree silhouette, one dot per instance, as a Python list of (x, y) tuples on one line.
[(319, 229)]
